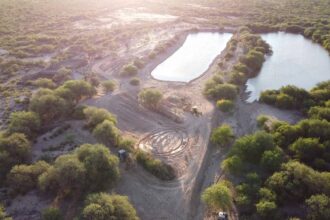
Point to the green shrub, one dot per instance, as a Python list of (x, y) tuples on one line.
[(101, 206), (95, 116), (51, 213), (237, 78), (266, 208), (66, 176), (3, 214), (284, 101), (318, 207), (44, 83), (23, 178), (271, 160), (89, 168), (101, 166), (218, 78), (261, 121), (225, 105), (250, 148), (78, 112), (218, 196), (307, 149), (269, 96), (14, 149), (318, 112), (62, 75), (107, 133), (24, 122), (296, 182), (109, 85), (233, 165), (222, 136), (48, 105), (135, 81), (150, 97), (222, 91), (254, 60), (158, 168), (291, 97), (210, 84), (129, 70), (79, 89), (247, 192), (126, 144)]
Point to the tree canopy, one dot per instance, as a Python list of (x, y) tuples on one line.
[(95, 116), (88, 168), (3, 214), (225, 105), (23, 178), (102, 206), (150, 97), (222, 136), (318, 207), (24, 122), (218, 196), (107, 133), (14, 149)]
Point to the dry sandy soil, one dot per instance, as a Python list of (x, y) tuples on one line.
[(172, 134)]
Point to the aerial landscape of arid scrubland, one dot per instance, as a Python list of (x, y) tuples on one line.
[(164, 109)]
